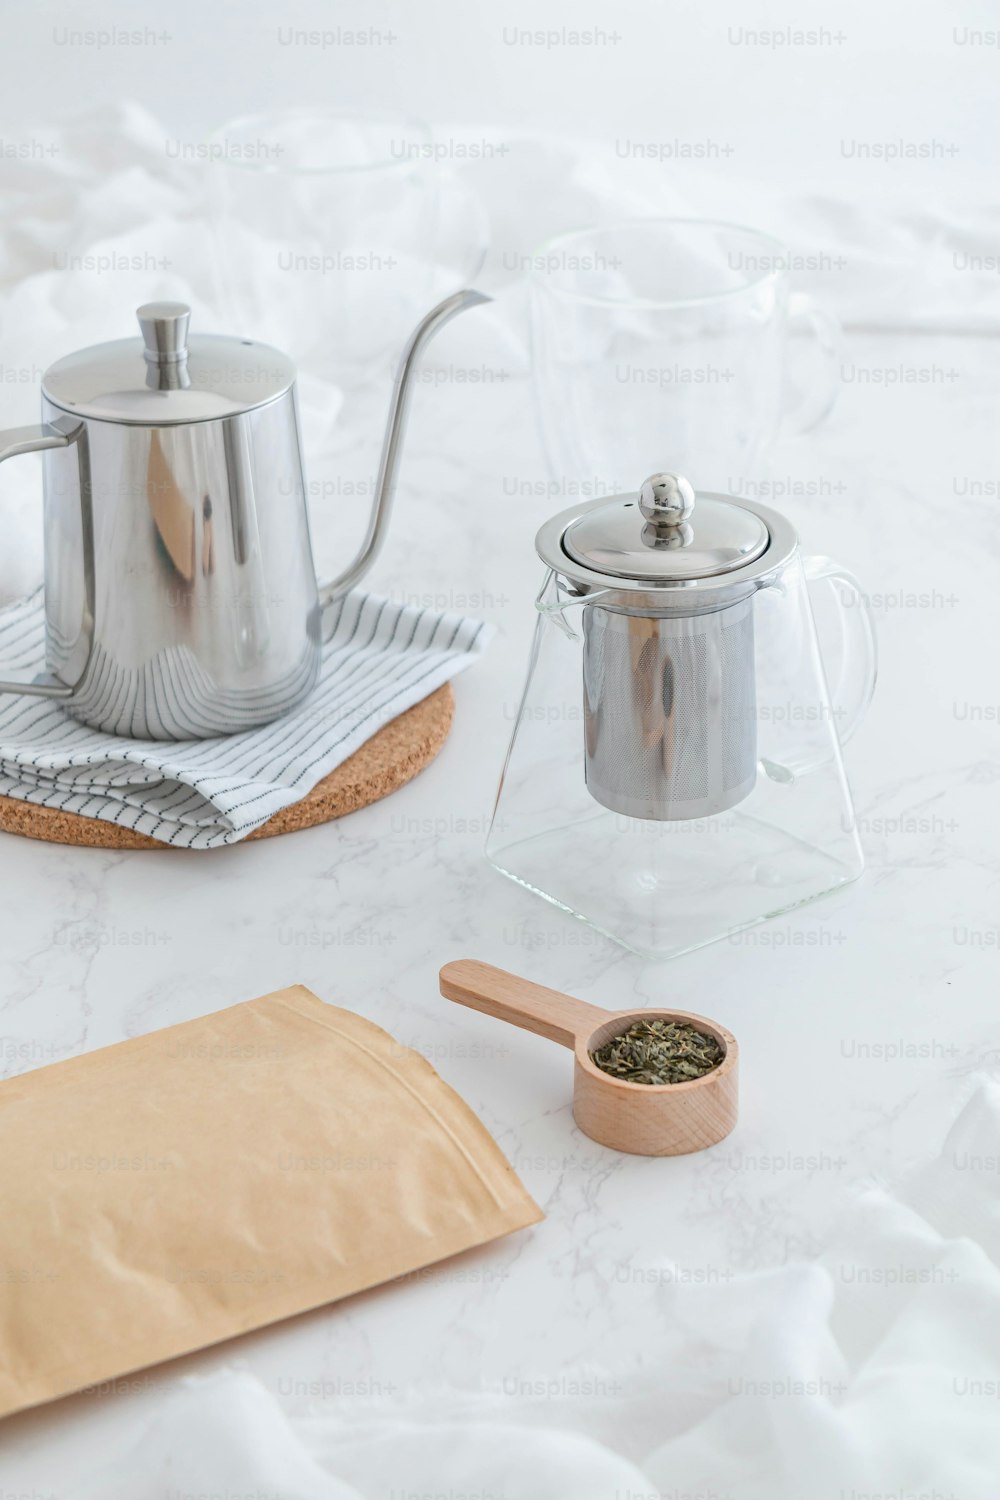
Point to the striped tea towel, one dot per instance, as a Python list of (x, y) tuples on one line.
[(379, 659)]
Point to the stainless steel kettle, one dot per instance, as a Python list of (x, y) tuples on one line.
[(180, 594)]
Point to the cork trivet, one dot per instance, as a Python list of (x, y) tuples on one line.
[(387, 761)]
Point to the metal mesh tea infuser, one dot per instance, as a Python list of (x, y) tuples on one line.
[(669, 686)]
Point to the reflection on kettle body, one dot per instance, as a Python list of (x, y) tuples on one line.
[(173, 515), (207, 538)]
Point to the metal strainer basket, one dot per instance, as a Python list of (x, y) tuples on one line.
[(669, 710), (670, 705)]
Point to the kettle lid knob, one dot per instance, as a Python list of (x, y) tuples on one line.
[(164, 330), (666, 499)]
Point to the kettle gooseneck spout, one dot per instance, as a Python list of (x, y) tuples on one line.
[(392, 443)]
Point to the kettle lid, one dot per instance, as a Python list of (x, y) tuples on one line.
[(169, 377), (664, 534)]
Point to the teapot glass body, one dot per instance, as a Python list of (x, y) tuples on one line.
[(675, 771)]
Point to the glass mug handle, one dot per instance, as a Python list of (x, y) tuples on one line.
[(819, 393), (852, 692), (855, 683)]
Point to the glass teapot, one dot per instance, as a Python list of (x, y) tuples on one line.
[(180, 596), (675, 772)]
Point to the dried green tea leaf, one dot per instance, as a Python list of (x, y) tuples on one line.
[(659, 1051)]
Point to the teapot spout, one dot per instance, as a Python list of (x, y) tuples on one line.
[(378, 522)]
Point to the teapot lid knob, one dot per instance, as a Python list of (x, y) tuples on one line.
[(164, 330), (666, 499)]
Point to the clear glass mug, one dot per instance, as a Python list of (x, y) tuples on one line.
[(673, 335), (335, 233)]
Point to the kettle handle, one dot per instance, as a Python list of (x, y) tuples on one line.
[(62, 433), (378, 521)]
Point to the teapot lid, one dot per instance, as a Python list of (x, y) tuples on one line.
[(168, 378), (662, 535)]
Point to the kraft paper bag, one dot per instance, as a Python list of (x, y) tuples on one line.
[(186, 1186)]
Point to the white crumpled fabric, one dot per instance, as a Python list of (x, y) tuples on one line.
[(111, 190)]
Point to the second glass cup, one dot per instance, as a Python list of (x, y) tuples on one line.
[(672, 335), (336, 232)]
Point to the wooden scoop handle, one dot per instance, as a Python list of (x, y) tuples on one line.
[(531, 1006)]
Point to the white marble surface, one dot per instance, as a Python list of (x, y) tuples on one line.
[(98, 946)]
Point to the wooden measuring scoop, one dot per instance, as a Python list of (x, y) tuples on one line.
[(645, 1119)]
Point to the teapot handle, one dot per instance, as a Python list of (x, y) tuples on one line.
[(59, 434), (852, 692), (378, 521)]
